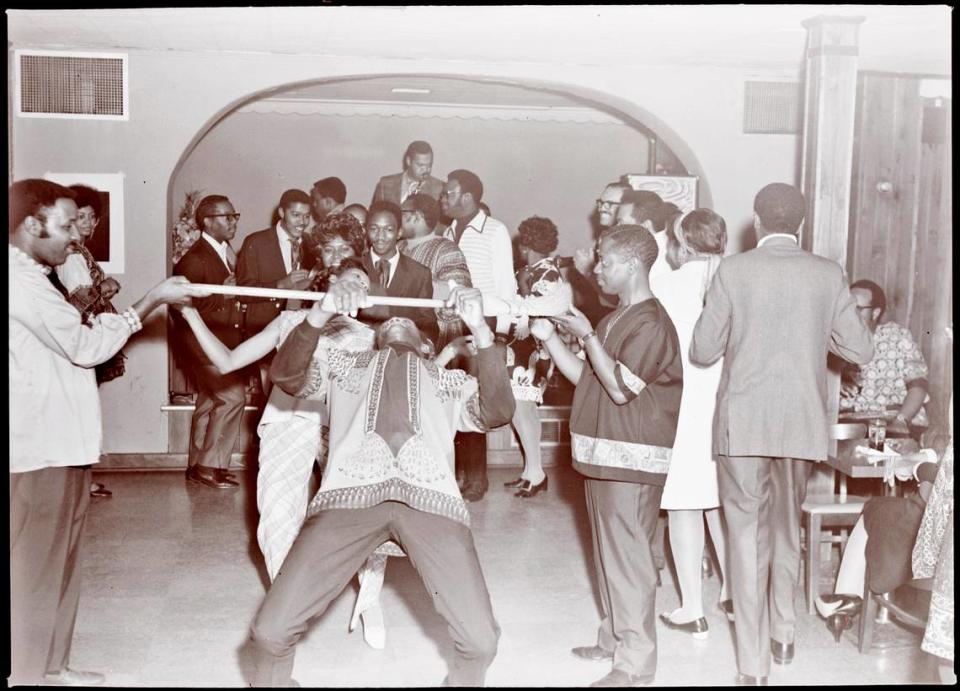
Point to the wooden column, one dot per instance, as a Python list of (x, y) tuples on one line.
[(830, 105), (828, 127)]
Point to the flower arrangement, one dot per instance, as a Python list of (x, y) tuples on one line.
[(185, 231)]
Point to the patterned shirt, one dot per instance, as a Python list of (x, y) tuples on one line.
[(897, 364), (446, 263)]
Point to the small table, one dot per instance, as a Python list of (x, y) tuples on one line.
[(853, 464)]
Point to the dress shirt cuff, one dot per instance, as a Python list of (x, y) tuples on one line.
[(132, 319)]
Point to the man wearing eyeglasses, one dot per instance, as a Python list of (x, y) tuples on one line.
[(216, 420)]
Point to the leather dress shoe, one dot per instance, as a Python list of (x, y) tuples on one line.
[(747, 680), (514, 483), (98, 490), (530, 490), (782, 652), (475, 490), (697, 628), (726, 606), (74, 677), (618, 677), (211, 477), (592, 652)]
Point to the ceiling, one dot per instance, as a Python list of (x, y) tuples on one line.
[(895, 37)]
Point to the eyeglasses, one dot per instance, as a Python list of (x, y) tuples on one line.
[(235, 217), (864, 307), (449, 194), (604, 204)]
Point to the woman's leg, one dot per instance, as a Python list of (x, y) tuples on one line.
[(853, 567), (686, 542), (715, 526), (368, 601), (526, 422)]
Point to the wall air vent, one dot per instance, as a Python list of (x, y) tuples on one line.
[(772, 108), (57, 84)]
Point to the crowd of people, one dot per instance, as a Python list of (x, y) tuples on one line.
[(700, 389)]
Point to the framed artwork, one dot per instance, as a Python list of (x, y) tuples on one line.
[(106, 243), (679, 189)]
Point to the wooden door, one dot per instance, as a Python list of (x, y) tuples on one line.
[(901, 214)]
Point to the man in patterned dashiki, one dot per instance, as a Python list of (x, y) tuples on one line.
[(623, 425), (393, 416), (894, 383)]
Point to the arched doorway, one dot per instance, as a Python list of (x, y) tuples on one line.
[(579, 138)]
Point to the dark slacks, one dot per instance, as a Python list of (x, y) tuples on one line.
[(470, 453), (48, 509), (215, 426), (761, 500), (331, 548), (623, 522)]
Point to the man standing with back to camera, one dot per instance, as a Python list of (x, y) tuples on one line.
[(772, 313)]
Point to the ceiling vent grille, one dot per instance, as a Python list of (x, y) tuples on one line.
[(89, 86), (772, 108)]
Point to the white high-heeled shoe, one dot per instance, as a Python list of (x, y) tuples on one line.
[(374, 630)]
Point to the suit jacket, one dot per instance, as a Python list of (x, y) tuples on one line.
[(411, 279), (260, 263), (773, 313), (202, 264), (388, 189)]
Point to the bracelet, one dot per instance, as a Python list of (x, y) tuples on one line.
[(132, 319), (588, 336)]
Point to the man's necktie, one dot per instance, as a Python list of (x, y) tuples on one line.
[(383, 268), (294, 255), (231, 259)]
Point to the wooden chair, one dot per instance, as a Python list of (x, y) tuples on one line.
[(874, 602), (828, 511)]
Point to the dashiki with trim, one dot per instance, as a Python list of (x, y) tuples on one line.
[(631, 442)]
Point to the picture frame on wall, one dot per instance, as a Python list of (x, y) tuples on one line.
[(107, 242), (679, 189)]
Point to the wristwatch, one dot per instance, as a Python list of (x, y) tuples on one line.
[(900, 417)]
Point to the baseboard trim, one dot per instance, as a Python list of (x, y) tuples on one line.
[(551, 456)]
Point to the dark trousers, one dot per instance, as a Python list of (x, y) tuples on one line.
[(48, 509), (761, 500), (331, 548), (470, 453), (623, 522), (215, 426)]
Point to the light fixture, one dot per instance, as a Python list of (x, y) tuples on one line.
[(408, 90)]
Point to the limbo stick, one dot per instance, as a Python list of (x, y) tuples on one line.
[(553, 304)]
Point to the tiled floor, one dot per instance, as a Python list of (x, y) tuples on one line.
[(172, 577)]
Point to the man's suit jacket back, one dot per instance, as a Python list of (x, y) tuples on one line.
[(388, 189), (221, 313), (411, 279), (260, 263), (773, 313)]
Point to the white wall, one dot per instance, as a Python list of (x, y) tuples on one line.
[(553, 169), (175, 94)]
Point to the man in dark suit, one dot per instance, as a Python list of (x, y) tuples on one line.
[(397, 274), (415, 178), (272, 258), (772, 313), (216, 420)]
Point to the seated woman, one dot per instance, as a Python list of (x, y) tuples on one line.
[(894, 383), (885, 536)]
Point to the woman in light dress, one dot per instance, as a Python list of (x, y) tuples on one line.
[(695, 245)]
